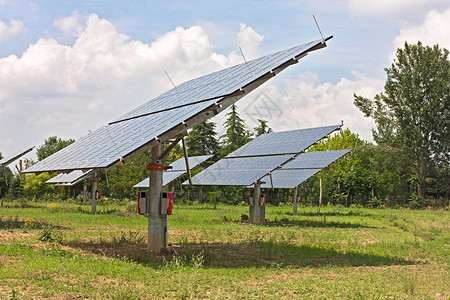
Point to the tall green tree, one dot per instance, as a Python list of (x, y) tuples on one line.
[(51, 145), (202, 139), (412, 113), (236, 135), (262, 128)]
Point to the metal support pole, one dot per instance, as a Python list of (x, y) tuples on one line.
[(94, 195), (186, 158), (320, 192), (84, 193), (200, 194), (157, 223), (294, 201), (256, 208)]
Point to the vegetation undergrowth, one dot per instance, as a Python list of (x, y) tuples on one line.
[(331, 252)]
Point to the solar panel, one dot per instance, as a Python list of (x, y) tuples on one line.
[(105, 146), (315, 160), (241, 171), (180, 164), (302, 168), (178, 170), (170, 114), (68, 179), (12, 157), (288, 179), (286, 142), (220, 83)]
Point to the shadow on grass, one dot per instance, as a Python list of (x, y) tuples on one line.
[(332, 213), (254, 253), (15, 223), (313, 223), (21, 205)]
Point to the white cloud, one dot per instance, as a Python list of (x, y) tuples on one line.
[(433, 30), (56, 89), (383, 7), (249, 41), (317, 104), (6, 31), (70, 25), (307, 102), (66, 90)]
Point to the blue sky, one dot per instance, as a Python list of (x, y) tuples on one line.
[(67, 67)]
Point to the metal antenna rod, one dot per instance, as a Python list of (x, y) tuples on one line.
[(242, 54), (245, 61), (323, 40), (170, 79), (117, 149)]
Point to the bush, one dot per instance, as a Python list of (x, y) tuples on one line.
[(48, 234)]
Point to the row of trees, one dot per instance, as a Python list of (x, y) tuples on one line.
[(408, 165)]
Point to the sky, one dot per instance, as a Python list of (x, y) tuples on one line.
[(69, 67)]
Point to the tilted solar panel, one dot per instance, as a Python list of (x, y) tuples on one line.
[(10, 158), (108, 144), (170, 114), (286, 142), (220, 83), (70, 178), (288, 179), (168, 177), (180, 164), (315, 160), (241, 171), (178, 170), (301, 168)]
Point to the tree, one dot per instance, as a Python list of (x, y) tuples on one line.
[(236, 135), (262, 128), (202, 139), (412, 113), (123, 178), (52, 145)]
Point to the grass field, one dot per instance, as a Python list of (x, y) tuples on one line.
[(61, 251)]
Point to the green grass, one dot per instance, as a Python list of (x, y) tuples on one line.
[(62, 251)]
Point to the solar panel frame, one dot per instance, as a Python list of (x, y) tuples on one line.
[(154, 123)]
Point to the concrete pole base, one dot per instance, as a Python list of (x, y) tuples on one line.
[(157, 222)]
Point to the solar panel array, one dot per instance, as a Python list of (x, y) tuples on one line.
[(178, 170), (12, 157), (69, 179), (164, 114), (261, 156), (302, 168)]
